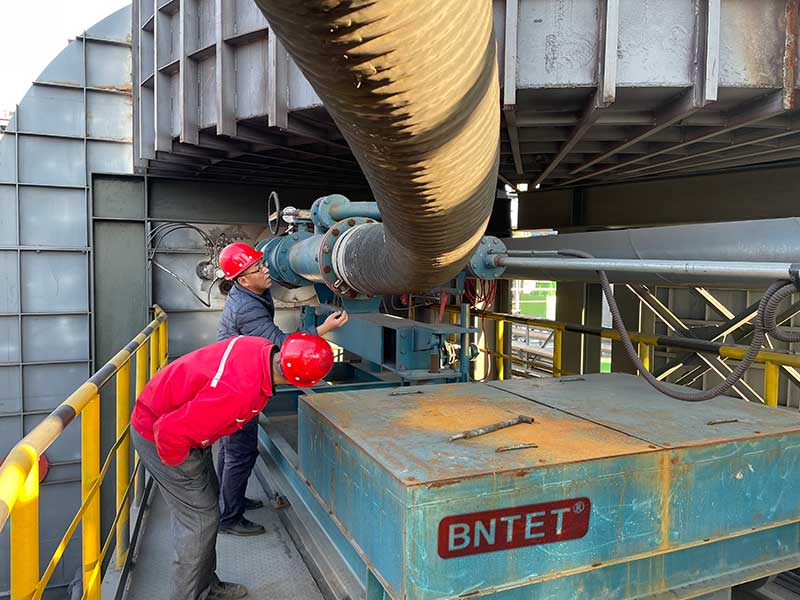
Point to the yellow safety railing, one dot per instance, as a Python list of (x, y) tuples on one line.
[(19, 473), (771, 359)]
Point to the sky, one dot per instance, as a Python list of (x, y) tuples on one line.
[(34, 32)]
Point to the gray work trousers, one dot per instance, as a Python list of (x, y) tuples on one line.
[(191, 491)]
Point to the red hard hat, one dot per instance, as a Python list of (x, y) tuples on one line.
[(235, 258), (305, 359)]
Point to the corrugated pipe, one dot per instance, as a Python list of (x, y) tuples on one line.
[(413, 87)]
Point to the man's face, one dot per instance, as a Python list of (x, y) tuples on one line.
[(256, 277)]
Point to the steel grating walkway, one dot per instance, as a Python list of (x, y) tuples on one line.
[(269, 565)]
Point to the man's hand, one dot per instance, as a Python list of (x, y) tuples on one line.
[(333, 321)]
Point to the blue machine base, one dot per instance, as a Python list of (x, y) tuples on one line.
[(617, 491)]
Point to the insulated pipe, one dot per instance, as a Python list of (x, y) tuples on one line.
[(759, 241), (631, 270), (413, 87)]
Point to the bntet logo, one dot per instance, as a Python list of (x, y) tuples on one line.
[(507, 528)]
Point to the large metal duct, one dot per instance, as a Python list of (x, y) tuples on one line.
[(768, 240), (413, 86)]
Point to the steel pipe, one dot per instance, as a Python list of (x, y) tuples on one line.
[(670, 272), (356, 209)]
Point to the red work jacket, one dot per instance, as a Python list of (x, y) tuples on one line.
[(205, 395)]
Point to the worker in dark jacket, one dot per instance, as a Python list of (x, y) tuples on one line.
[(183, 410), (249, 310)]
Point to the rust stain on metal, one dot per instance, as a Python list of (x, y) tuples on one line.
[(124, 88), (409, 434), (666, 487), (790, 55)]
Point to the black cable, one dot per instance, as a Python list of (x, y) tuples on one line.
[(771, 319), (762, 316)]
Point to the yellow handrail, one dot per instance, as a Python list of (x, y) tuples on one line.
[(772, 360), (19, 472)]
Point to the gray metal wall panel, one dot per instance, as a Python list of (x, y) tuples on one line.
[(206, 14), (557, 43), (10, 398), (201, 201), (120, 285), (8, 158), (301, 94), (55, 338), (53, 110), (207, 82), (248, 17), (113, 197), (702, 198), (8, 215), (656, 42), (52, 217), (46, 386), (9, 284), (66, 67), (108, 67), (9, 340), (10, 433), (251, 80), (168, 292), (51, 161), (109, 116), (751, 43), (54, 282), (120, 295), (174, 115), (109, 157)]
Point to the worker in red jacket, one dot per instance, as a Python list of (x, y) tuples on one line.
[(183, 410)]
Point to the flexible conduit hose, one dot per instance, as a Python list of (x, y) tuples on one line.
[(413, 87), (764, 322)]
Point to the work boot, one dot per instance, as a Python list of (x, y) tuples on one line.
[(251, 504), (243, 527), (225, 590)]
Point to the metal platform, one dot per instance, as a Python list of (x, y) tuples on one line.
[(269, 565), (627, 494)]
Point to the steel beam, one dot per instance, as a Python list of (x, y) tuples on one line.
[(750, 140), (606, 92), (785, 146), (763, 108), (161, 81), (188, 90), (225, 70), (703, 91), (510, 82), (277, 83)]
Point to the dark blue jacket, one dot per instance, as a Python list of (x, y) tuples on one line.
[(247, 313)]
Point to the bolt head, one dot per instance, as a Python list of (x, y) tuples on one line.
[(351, 222), (335, 231), (326, 269), (326, 249)]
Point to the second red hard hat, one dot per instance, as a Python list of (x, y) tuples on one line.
[(305, 359)]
